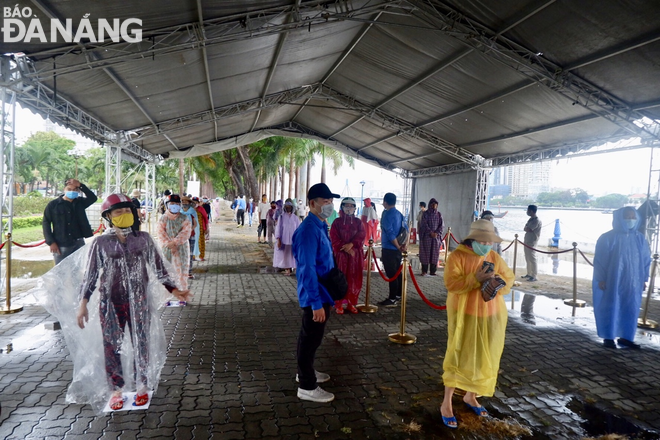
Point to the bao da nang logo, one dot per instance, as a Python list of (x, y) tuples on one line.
[(20, 25)]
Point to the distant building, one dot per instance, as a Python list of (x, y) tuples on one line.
[(528, 180)]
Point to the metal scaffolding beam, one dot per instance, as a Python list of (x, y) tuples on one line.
[(532, 65), (237, 27), (481, 192), (7, 144), (113, 167)]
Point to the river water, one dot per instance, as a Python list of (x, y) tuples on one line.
[(579, 226)]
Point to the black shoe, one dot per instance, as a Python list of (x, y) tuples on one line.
[(532, 279), (628, 344), (609, 343), (524, 277), (389, 302)]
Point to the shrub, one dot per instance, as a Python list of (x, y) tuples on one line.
[(25, 222), (29, 205)]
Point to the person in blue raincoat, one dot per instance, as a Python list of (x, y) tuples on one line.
[(621, 268)]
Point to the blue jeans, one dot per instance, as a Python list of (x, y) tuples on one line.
[(65, 251)]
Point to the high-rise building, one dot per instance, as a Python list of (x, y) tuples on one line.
[(528, 180)]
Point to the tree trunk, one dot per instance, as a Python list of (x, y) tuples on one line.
[(297, 183), (309, 176), (181, 176), (291, 173), (323, 164), (230, 165), (250, 177), (282, 183)]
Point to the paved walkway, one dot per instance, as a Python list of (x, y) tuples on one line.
[(231, 365)]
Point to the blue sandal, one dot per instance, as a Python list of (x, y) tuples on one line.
[(450, 422), (478, 410)]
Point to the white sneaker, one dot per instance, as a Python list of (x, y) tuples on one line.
[(317, 395), (320, 377)]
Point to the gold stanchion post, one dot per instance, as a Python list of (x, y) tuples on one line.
[(515, 261), (8, 309), (643, 322), (401, 337), (574, 302), (366, 308), (447, 239)]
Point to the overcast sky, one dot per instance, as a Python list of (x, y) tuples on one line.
[(623, 172)]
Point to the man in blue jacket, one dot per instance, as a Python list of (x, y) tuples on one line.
[(313, 253), (390, 225)]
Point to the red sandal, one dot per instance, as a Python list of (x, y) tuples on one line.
[(141, 399), (116, 402)]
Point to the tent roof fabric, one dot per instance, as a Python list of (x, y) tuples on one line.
[(407, 85)]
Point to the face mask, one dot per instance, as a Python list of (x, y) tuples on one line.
[(123, 221), (174, 209), (71, 194), (629, 223), (349, 210), (481, 249), (326, 211), (185, 207), (272, 206), (205, 200)]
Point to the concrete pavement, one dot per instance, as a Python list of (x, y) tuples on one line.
[(230, 369)]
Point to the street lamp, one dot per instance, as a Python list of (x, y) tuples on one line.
[(361, 197)]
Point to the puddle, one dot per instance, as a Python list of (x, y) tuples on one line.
[(541, 311), (26, 269), (31, 339), (598, 422)]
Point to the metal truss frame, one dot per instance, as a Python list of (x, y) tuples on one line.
[(481, 192), (113, 168), (237, 27), (532, 65), (45, 101), (7, 144), (150, 186)]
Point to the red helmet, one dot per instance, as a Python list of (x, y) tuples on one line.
[(115, 201)]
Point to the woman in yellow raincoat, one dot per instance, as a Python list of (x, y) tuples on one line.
[(476, 317)]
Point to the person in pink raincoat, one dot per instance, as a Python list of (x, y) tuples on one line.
[(347, 236), (369, 221), (173, 232)]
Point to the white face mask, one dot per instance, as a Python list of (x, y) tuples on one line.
[(326, 211), (349, 210)]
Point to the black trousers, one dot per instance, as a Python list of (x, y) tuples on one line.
[(309, 340), (240, 217), (263, 228), (425, 268), (391, 259)]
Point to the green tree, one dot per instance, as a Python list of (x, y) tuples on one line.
[(611, 201), (49, 155)]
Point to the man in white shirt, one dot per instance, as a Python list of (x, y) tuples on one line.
[(263, 208)]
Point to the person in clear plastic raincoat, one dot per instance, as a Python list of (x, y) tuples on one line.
[(621, 268), (120, 277), (476, 327)]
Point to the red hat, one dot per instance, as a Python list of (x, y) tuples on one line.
[(115, 201)]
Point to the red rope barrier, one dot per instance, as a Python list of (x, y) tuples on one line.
[(454, 238), (3, 244), (507, 248), (389, 280), (585, 257), (28, 245), (419, 291), (545, 252)]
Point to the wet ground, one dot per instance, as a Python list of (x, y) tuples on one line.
[(231, 363)]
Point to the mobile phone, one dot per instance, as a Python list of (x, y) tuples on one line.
[(488, 266)]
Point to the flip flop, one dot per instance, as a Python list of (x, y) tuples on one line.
[(141, 399), (116, 402), (478, 410), (450, 422)]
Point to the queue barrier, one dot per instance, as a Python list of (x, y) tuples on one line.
[(8, 308)]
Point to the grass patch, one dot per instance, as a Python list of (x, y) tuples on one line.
[(27, 235)]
